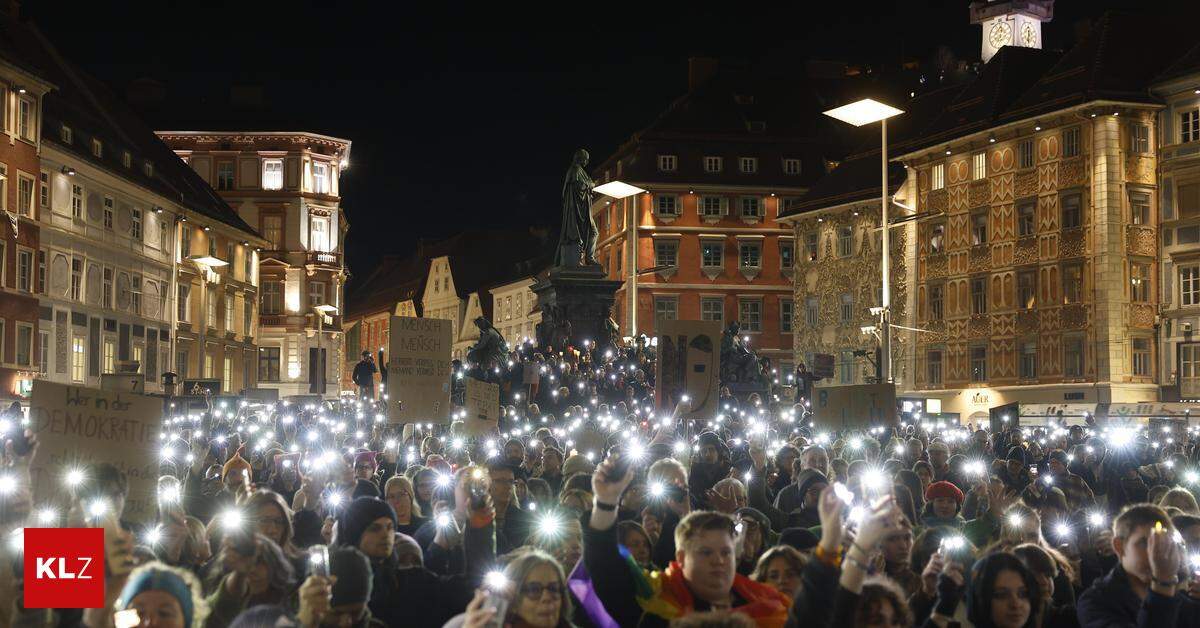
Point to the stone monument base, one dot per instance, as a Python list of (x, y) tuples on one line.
[(575, 302)]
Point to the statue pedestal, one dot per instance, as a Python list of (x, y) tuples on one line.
[(581, 296)]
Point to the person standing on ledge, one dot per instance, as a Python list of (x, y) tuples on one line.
[(364, 376)]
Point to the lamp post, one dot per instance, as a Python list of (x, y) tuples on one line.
[(619, 190), (860, 113)]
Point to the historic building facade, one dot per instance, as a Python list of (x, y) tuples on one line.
[(286, 185), (515, 312)]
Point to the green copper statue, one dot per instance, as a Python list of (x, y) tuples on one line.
[(577, 240)]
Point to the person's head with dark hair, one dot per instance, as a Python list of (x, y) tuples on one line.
[(1043, 566), (306, 529), (579, 481), (106, 482), (351, 589), (633, 536), (503, 479), (1189, 529), (272, 517), (924, 472), (916, 490), (1003, 593), (882, 603), (780, 567)]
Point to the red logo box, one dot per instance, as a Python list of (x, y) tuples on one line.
[(64, 567)]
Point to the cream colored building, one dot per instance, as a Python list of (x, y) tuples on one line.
[(514, 311)]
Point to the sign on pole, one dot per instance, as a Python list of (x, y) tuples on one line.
[(80, 427), (482, 406), (689, 363), (852, 407), (419, 370)]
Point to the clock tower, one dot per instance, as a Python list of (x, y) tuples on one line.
[(1011, 23)]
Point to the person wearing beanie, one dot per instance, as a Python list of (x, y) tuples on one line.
[(156, 590), (365, 465), (342, 598), (577, 463), (809, 484), (943, 502), (236, 472), (552, 470), (802, 539), (709, 466), (1079, 495), (364, 488), (939, 459), (1016, 475)]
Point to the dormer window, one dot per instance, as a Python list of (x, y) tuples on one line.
[(65, 134), (666, 163), (148, 168), (97, 148), (127, 159), (748, 165)]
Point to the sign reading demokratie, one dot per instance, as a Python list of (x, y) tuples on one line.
[(419, 370), (77, 427)]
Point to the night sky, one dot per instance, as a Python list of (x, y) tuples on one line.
[(464, 116)]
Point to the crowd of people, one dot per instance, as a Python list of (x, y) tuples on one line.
[(592, 505)]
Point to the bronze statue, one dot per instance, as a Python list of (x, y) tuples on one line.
[(738, 362), (577, 239), (489, 351)]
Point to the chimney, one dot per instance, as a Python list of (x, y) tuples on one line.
[(700, 70)]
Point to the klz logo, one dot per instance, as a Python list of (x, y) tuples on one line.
[(64, 567)]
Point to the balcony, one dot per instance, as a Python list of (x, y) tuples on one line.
[(325, 258), (272, 320)]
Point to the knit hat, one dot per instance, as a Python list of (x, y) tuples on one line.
[(367, 457), (1059, 455), (236, 463), (802, 539), (365, 488), (358, 515), (938, 445), (577, 464), (1016, 453), (158, 577), (943, 489), (353, 571), (806, 479)]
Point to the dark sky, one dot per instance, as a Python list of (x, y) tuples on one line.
[(463, 115)]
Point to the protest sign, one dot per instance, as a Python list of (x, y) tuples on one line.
[(419, 370), (855, 407), (689, 363), (482, 406), (79, 427)]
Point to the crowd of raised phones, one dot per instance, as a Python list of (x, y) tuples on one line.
[(589, 506)]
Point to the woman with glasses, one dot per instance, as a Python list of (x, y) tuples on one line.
[(537, 596), (273, 519), (398, 492)]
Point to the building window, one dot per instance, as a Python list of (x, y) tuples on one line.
[(1026, 289), (1139, 138), (666, 252), (76, 278), (43, 351), (229, 312), (713, 164), (1025, 220), (1189, 370), (751, 255), (183, 303), (1073, 356), (247, 317), (750, 314), (666, 204), (320, 234), (937, 238), (25, 123), (1189, 126), (845, 242), (933, 366), (667, 163), (65, 135), (44, 189), (273, 230), (97, 148), (1072, 216), (978, 166), (785, 316), (126, 159), (938, 176), (1029, 360), (812, 311), (78, 358), (1139, 282), (846, 311), (1072, 278), (24, 345), (978, 364), (316, 293), (25, 195), (268, 364), (272, 297), (135, 229), (1141, 357), (108, 212), (811, 245), (1139, 208), (108, 360), (1189, 286), (185, 241), (712, 309), (936, 302), (135, 295), (846, 367), (1070, 142), (786, 258), (748, 165), (979, 228), (224, 175), (272, 174), (41, 272), (666, 308), (181, 363), (227, 375), (979, 295), (712, 206), (77, 201), (751, 207), (1025, 154), (712, 254), (320, 177), (24, 270), (791, 166)]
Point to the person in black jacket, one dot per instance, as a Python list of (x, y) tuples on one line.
[(364, 376)]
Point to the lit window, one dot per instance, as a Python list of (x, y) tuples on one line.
[(97, 148), (25, 122), (938, 176), (666, 204), (1139, 282), (978, 166), (1072, 279), (1139, 208), (136, 226), (126, 159), (1025, 154), (77, 201), (666, 163), (320, 177), (1189, 126), (272, 176), (78, 358), (748, 165), (1141, 357), (979, 228), (1139, 138)]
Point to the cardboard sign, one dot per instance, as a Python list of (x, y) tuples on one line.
[(822, 366), (689, 363), (201, 387), (78, 427), (853, 407), (483, 407), (266, 395), (531, 374), (418, 383)]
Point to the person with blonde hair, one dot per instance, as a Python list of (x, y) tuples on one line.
[(1182, 499), (536, 587), (400, 494)]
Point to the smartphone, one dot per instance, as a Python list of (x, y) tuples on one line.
[(477, 489), (127, 618), (620, 467), (318, 560), (499, 602)]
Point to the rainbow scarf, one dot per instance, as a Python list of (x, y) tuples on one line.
[(666, 595)]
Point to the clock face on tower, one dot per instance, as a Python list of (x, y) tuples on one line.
[(1029, 35), (1000, 35)]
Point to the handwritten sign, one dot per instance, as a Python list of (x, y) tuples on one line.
[(483, 407), (79, 427), (689, 363), (419, 370), (855, 407)]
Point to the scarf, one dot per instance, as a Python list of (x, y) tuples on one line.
[(666, 595)]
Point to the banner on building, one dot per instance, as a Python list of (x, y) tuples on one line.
[(855, 407), (689, 364), (80, 427), (482, 407), (418, 385)]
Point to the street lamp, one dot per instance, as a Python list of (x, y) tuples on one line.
[(860, 113), (619, 190)]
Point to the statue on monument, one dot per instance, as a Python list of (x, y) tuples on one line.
[(577, 239), (489, 351), (738, 362)]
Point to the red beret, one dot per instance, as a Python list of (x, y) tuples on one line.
[(943, 489)]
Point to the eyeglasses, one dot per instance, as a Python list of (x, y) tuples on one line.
[(272, 521), (534, 590)]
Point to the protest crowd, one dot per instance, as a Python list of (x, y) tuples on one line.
[(590, 504)]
